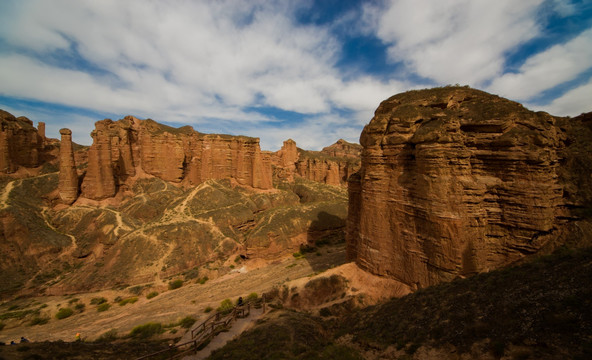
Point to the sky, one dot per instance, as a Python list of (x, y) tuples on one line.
[(312, 71)]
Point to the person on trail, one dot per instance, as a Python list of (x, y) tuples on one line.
[(240, 301), (77, 337), (23, 340)]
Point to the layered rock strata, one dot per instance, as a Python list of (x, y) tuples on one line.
[(178, 155), (333, 165), (68, 177), (20, 143), (456, 181)]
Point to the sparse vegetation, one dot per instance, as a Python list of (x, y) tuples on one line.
[(38, 321), (79, 307), (130, 300), (147, 330), (98, 301), (225, 307), (203, 280), (208, 309), (152, 294), (252, 297), (103, 307), (175, 284), (64, 313), (108, 336), (187, 322)]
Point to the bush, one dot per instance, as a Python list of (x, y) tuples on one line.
[(175, 284), (98, 301), (108, 336), (252, 297), (103, 307), (72, 301), (146, 331), (208, 309), (39, 321), (187, 322), (79, 307), (128, 301), (226, 306), (64, 313), (203, 280), (117, 299), (152, 294)]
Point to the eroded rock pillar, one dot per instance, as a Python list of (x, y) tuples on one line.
[(68, 178)]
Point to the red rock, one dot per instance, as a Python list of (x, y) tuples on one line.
[(20, 143), (456, 181), (68, 177)]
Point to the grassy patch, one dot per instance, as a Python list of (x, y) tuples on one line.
[(175, 284), (64, 313), (147, 330), (98, 301), (39, 321), (152, 294), (130, 300), (103, 307)]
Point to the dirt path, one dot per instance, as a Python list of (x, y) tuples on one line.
[(168, 306), (5, 194)]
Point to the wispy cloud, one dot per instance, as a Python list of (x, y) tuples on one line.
[(213, 64)]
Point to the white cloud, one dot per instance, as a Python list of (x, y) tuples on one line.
[(554, 66), (456, 41), (572, 103)]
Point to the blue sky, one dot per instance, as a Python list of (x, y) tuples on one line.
[(313, 71)]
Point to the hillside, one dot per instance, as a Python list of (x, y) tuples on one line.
[(538, 310)]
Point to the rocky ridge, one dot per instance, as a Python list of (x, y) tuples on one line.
[(455, 181)]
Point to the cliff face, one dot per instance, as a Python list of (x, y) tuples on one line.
[(332, 166), (178, 155), (456, 181), (20, 142)]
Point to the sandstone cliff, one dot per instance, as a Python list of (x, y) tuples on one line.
[(20, 142), (180, 155), (456, 181), (333, 165)]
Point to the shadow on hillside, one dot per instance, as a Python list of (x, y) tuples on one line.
[(323, 235)]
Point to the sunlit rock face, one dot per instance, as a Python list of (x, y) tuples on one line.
[(456, 181), (20, 143), (123, 148)]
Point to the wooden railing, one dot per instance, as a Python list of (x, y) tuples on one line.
[(205, 331)]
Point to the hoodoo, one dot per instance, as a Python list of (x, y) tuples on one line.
[(68, 178), (456, 181)]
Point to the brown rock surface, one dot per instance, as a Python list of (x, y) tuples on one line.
[(20, 143), (178, 155), (456, 181), (68, 178)]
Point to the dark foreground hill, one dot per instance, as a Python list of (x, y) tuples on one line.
[(538, 310)]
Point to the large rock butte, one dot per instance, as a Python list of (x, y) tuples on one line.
[(456, 181)]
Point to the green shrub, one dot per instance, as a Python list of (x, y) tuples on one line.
[(187, 322), (79, 307), (226, 306), (203, 280), (64, 313), (147, 330), (297, 255), (208, 309), (152, 294), (252, 297), (128, 301), (103, 307), (72, 301), (108, 336), (175, 284), (39, 321), (98, 301), (117, 299)]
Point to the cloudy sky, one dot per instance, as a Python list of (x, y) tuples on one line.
[(313, 71)]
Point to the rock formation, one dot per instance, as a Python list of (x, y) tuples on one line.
[(333, 165), (178, 155), (456, 181), (68, 177), (20, 143)]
